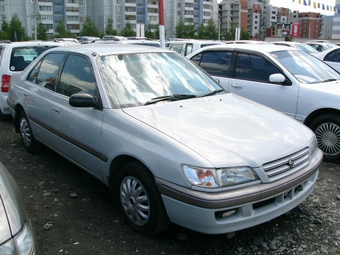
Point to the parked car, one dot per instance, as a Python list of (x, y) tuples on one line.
[(321, 46), (302, 46), (167, 140), (132, 41), (16, 232), (245, 42), (14, 57), (331, 57), (186, 47), (285, 79)]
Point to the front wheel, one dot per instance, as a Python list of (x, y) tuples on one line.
[(26, 134), (140, 199), (327, 132)]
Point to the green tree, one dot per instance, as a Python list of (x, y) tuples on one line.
[(89, 28), (4, 33), (152, 31), (109, 28), (61, 30), (183, 30), (16, 31), (229, 34), (42, 32), (127, 30), (209, 31)]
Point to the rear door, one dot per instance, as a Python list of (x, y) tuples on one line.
[(39, 89)]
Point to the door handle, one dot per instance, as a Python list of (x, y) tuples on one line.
[(55, 111), (236, 86)]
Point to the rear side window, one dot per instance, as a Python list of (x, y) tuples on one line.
[(215, 62), (48, 72), (176, 47), (21, 57)]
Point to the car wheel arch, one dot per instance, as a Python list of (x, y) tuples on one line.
[(18, 110), (317, 113), (116, 164)]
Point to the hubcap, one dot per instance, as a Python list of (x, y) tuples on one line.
[(328, 137), (25, 132), (135, 201)]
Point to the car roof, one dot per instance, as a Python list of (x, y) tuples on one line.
[(252, 47), (30, 43), (194, 41), (108, 49)]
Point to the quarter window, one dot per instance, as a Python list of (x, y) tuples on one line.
[(333, 56)]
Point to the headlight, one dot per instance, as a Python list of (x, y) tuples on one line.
[(313, 146), (23, 243), (218, 178)]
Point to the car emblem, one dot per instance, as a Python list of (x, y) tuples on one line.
[(291, 162)]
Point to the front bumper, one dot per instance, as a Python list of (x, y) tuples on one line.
[(202, 211)]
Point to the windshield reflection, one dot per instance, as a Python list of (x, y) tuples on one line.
[(306, 68), (133, 79)]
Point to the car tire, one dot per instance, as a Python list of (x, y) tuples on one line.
[(26, 134), (327, 132), (140, 200)]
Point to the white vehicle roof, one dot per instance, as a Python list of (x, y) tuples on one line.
[(108, 49)]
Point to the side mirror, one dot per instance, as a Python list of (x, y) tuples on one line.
[(82, 100), (277, 78)]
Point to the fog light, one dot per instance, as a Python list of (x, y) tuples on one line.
[(226, 213)]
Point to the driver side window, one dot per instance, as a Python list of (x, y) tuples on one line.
[(77, 76), (253, 67)]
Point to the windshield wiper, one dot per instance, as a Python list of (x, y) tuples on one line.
[(173, 97), (214, 92), (328, 80)]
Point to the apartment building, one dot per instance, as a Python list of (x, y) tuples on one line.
[(48, 12), (310, 25), (336, 21), (326, 27)]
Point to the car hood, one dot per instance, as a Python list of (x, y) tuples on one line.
[(13, 214), (226, 129)]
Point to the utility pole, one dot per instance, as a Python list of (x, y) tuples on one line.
[(161, 23), (34, 2)]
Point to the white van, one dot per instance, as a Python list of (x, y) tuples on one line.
[(185, 47)]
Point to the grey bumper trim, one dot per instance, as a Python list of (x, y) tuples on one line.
[(236, 197)]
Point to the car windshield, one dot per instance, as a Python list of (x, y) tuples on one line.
[(305, 67), (307, 48), (136, 79)]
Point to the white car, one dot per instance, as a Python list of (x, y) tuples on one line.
[(14, 57), (302, 46), (169, 142), (331, 57), (185, 47), (285, 79), (321, 46)]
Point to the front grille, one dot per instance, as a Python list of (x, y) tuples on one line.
[(282, 167)]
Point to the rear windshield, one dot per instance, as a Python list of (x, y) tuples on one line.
[(21, 57)]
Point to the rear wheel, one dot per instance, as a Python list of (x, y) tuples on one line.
[(327, 132), (26, 134), (140, 199)]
